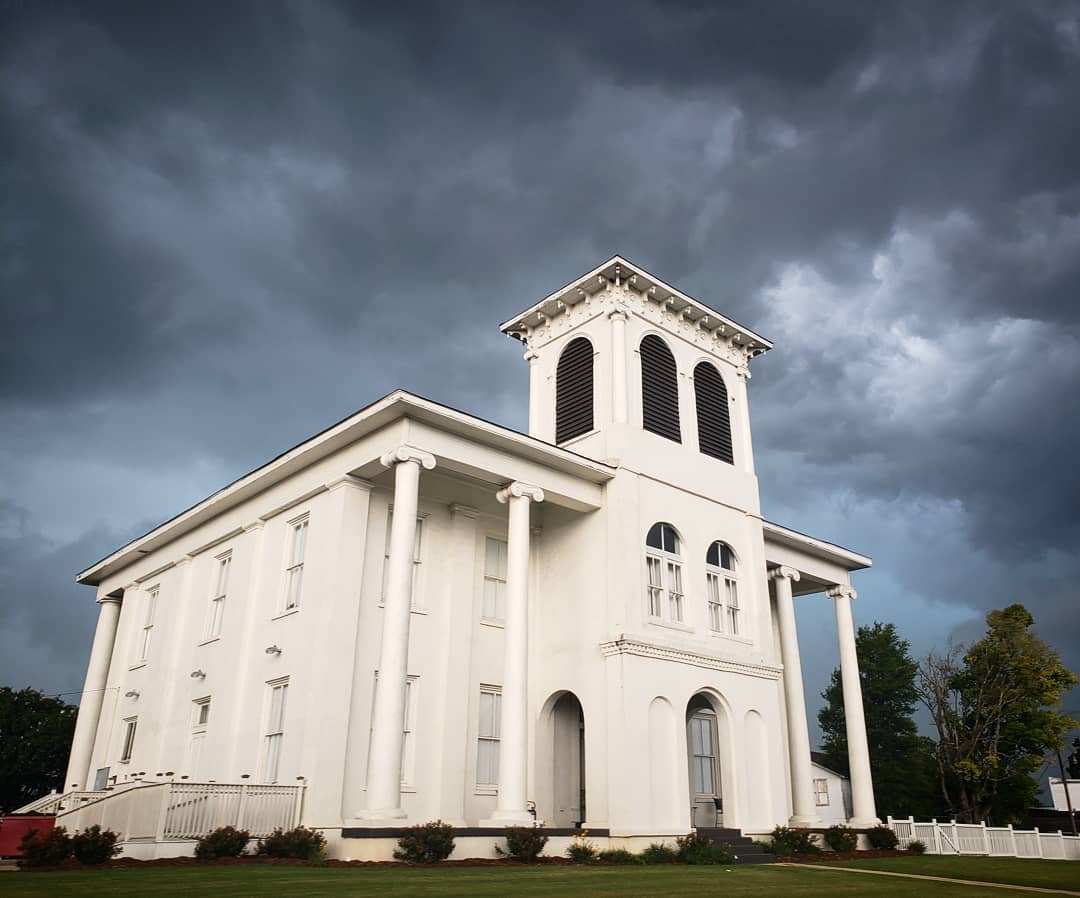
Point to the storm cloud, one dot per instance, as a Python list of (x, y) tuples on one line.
[(227, 225)]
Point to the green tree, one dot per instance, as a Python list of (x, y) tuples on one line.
[(35, 737), (900, 759), (995, 708)]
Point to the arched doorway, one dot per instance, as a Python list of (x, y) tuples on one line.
[(707, 756), (561, 762)]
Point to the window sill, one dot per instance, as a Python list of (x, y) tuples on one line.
[(287, 613), (408, 790), (497, 624), (487, 790), (669, 625), (745, 640), (137, 665), (210, 641), (413, 609)]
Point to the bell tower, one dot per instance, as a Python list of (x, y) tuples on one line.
[(628, 370)]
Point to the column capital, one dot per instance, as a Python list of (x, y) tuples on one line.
[(519, 490), (531, 355), (841, 591), (405, 452), (783, 572), (110, 599)]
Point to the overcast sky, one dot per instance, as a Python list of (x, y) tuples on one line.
[(225, 225)]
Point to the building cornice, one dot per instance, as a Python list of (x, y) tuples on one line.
[(819, 548), (626, 645)]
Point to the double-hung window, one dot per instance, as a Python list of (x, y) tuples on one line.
[(722, 589), (294, 571), (275, 728), (147, 630), (494, 606), (217, 596), (821, 792), (703, 753), (131, 724), (418, 539), (487, 737), (663, 564)]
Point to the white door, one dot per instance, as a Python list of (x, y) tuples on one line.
[(704, 772)]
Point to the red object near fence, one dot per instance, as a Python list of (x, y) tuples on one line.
[(12, 830)]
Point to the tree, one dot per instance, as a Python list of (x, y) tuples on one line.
[(995, 708), (900, 759), (35, 735)]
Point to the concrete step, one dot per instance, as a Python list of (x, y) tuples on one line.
[(743, 847)]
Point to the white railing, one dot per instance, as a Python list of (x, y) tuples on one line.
[(56, 802), (163, 811), (978, 838)]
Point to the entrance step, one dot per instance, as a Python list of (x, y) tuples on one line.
[(743, 847)]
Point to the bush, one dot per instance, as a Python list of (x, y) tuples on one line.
[(786, 842), (94, 845), (697, 849), (225, 841), (882, 837), (917, 846), (523, 843), (841, 838), (306, 844), (620, 856), (45, 849), (581, 850), (659, 853), (426, 843)]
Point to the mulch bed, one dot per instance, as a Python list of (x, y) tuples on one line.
[(254, 860), (842, 856)]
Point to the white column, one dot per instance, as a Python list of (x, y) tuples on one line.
[(745, 452), (534, 392), (863, 812), (512, 805), (383, 799), (619, 398), (803, 809), (97, 673)]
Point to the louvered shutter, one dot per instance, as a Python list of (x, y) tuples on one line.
[(713, 415), (659, 389), (574, 391)]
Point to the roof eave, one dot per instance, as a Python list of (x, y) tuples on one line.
[(851, 560)]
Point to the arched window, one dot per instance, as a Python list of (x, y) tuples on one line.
[(713, 416), (663, 563), (659, 389), (574, 390), (722, 589)]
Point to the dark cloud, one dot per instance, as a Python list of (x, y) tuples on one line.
[(217, 212)]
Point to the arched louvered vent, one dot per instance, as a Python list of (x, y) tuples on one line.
[(574, 391), (713, 416), (659, 389)]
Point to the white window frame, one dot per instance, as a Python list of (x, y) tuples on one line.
[(488, 741), (218, 595), (127, 746), (703, 721), (147, 631), (722, 592), (416, 595), (274, 728), (298, 536), (665, 600), (200, 714), (821, 791), (493, 596), (200, 721)]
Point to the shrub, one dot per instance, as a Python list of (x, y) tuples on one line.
[(697, 849), (225, 841), (426, 843), (581, 850), (786, 842), (882, 837), (306, 844), (523, 843), (45, 849), (620, 856), (841, 838), (917, 846), (659, 853), (94, 845)]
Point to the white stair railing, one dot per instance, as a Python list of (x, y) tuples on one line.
[(980, 839)]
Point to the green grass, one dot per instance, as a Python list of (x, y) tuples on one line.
[(1017, 871), (477, 882)]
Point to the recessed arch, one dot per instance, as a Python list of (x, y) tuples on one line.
[(560, 760), (659, 389), (713, 413), (710, 758), (574, 390)]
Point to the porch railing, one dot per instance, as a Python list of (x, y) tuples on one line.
[(980, 839), (57, 802)]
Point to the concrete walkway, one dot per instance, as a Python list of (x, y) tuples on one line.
[(965, 882)]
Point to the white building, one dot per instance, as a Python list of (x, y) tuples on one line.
[(420, 614), (832, 792)]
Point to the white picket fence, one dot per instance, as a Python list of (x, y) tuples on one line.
[(978, 838), (161, 812)]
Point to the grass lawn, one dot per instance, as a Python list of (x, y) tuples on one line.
[(1018, 871), (476, 882)]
